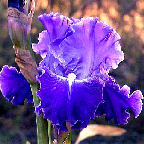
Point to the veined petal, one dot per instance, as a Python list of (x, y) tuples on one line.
[(94, 45), (14, 86), (60, 104), (57, 27), (117, 102), (53, 64)]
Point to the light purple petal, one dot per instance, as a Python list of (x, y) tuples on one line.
[(14, 86), (57, 27), (42, 47), (94, 45), (60, 104), (53, 64), (118, 102), (55, 24)]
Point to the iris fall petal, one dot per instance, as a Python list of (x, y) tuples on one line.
[(117, 102), (14, 86), (61, 104)]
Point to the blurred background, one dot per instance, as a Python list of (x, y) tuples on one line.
[(17, 123)]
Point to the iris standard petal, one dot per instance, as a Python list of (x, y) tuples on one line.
[(14, 86), (57, 27), (42, 47), (61, 104), (117, 102), (53, 64), (94, 46)]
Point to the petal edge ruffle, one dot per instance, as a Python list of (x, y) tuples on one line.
[(60, 105), (117, 102), (94, 45)]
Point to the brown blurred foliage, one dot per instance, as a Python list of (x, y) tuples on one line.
[(126, 16)]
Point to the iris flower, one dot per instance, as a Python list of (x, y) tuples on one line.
[(75, 85)]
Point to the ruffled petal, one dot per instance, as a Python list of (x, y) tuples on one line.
[(57, 27), (85, 98), (14, 86), (117, 102), (59, 104), (42, 47), (53, 95), (94, 46)]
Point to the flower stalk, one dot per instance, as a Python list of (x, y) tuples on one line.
[(19, 24), (49, 132), (42, 134)]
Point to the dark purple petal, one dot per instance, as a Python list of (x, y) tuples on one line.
[(85, 98), (53, 95), (117, 102), (94, 46), (57, 27), (14, 86), (59, 104)]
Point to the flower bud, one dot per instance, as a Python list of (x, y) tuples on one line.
[(20, 15), (18, 27)]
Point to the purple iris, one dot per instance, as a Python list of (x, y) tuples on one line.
[(74, 85)]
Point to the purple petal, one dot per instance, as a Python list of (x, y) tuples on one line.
[(85, 98), (60, 105), (42, 47), (14, 86), (55, 24), (53, 64), (53, 95), (57, 27), (118, 102), (94, 45)]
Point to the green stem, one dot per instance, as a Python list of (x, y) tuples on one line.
[(42, 134), (49, 131), (42, 124)]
